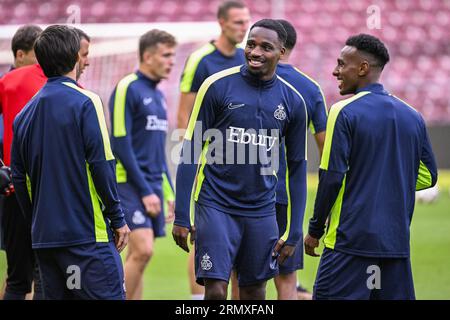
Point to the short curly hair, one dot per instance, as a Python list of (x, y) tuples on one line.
[(274, 25), (370, 45)]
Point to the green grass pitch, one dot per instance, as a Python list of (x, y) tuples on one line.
[(166, 275)]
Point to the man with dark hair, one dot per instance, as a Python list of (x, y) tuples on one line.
[(234, 19), (376, 154), (85, 41), (22, 45), (139, 128), (62, 196), (240, 114), (286, 281)]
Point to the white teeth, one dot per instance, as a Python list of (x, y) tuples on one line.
[(255, 63)]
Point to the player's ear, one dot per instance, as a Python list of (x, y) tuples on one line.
[(147, 56), (363, 68), (221, 22), (282, 52), (20, 54)]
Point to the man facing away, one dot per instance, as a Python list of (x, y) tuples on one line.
[(63, 173), (16, 89), (376, 155)]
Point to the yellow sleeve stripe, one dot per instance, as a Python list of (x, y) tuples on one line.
[(101, 234), (97, 102), (334, 112), (289, 207), (306, 112), (201, 94), (335, 217), (192, 64), (120, 129), (424, 179), (168, 193), (28, 181)]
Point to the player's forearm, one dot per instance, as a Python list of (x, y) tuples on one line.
[(22, 195), (297, 197), (19, 179), (186, 173), (125, 154), (168, 190), (185, 180), (320, 141), (185, 108), (330, 184), (104, 179)]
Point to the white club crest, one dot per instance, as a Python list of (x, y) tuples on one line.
[(138, 217), (206, 263), (279, 113)]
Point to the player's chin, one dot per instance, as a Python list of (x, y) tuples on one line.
[(256, 69)]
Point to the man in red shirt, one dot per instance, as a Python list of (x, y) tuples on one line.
[(16, 89)]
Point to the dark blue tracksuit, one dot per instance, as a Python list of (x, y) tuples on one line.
[(376, 155), (317, 122), (64, 175), (139, 128), (233, 185)]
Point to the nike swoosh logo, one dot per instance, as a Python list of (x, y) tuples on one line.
[(147, 101), (235, 106)]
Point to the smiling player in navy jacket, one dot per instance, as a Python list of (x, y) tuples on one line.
[(249, 108), (376, 155)]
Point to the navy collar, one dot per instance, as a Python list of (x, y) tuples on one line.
[(62, 79), (153, 83), (374, 88), (255, 80)]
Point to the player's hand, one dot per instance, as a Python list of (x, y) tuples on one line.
[(283, 251), (6, 186), (121, 237), (152, 205), (310, 244), (180, 235), (170, 211)]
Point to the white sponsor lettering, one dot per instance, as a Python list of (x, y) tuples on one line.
[(239, 135)]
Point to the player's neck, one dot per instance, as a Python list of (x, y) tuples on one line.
[(225, 46), (148, 74), (72, 75), (368, 81)]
